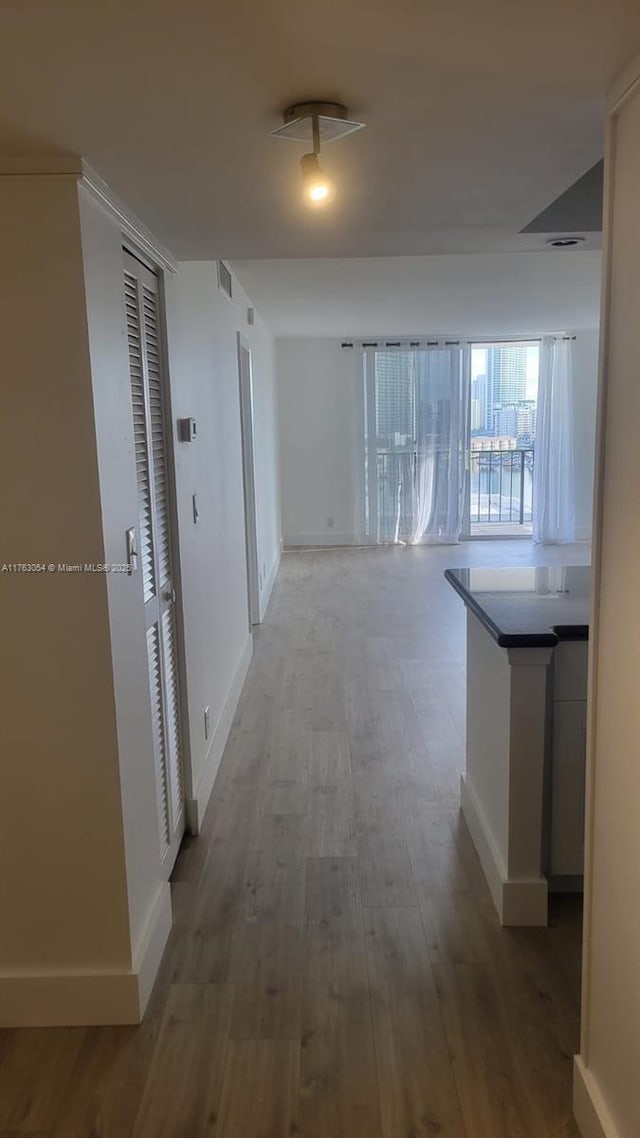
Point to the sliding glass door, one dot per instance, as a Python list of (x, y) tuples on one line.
[(450, 440), (502, 432)]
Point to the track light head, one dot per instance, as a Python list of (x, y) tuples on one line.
[(318, 189)]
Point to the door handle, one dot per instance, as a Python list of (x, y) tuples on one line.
[(132, 550), (169, 595)]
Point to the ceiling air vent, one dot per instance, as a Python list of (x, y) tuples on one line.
[(225, 280), (564, 242)]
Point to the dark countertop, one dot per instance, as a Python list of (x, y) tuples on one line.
[(528, 606)]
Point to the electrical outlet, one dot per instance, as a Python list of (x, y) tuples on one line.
[(207, 722)]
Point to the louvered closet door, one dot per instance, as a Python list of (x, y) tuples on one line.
[(154, 538)]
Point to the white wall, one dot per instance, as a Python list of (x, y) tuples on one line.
[(202, 328), (607, 1090), (320, 408), (63, 909), (476, 295), (321, 444), (84, 908)]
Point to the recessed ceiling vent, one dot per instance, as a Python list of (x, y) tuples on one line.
[(331, 120), (564, 242)]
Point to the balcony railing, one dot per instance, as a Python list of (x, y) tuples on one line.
[(500, 491), (501, 487)]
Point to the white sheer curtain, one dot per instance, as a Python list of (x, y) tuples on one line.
[(417, 425), (553, 471)]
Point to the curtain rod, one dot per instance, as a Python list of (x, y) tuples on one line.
[(450, 343), (399, 343), (520, 339)]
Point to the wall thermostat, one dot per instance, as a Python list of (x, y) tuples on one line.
[(187, 430)]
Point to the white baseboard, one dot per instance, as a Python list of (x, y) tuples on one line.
[(69, 1000), (517, 901), (590, 1110), (197, 804), (269, 582), (525, 903), (86, 999), (152, 943), (292, 540)]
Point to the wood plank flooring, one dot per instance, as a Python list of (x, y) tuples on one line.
[(336, 969)]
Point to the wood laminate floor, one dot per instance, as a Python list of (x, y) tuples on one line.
[(336, 969)]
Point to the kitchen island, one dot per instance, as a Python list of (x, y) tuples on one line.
[(522, 793)]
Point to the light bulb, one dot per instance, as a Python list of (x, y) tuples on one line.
[(317, 188), (318, 192)]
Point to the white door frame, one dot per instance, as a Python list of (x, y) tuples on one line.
[(248, 478)]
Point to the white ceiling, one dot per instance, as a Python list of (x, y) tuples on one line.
[(489, 294), (479, 114)]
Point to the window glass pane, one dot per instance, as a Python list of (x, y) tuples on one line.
[(502, 414), (504, 391)]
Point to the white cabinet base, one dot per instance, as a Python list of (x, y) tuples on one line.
[(504, 782), (522, 794), (518, 901)]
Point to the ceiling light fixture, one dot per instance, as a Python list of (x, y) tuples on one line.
[(316, 123)]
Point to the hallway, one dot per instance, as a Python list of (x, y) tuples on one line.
[(335, 969)]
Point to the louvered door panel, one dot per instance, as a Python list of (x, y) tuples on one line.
[(157, 441), (159, 734), (172, 714), (134, 339), (154, 537)]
